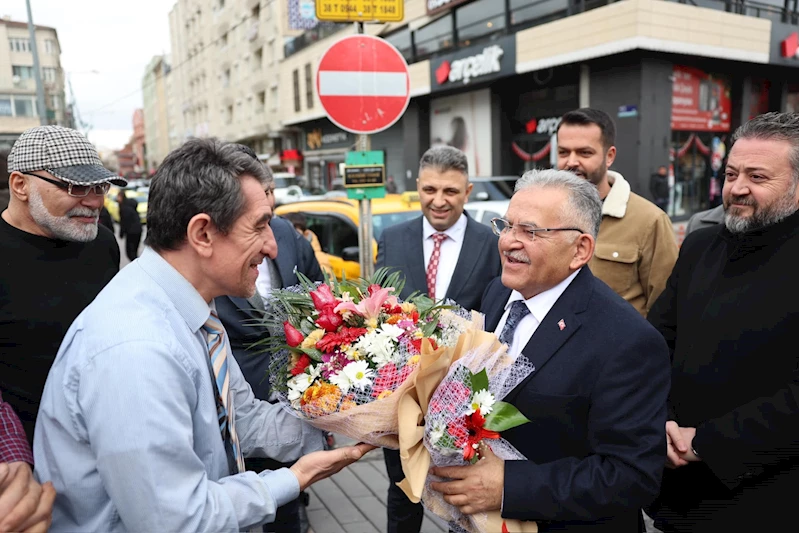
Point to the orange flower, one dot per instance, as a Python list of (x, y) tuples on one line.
[(385, 394), (348, 403), (320, 399)]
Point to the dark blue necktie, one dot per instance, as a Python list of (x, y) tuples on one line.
[(518, 310)]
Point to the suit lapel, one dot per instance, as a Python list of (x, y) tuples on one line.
[(493, 315), (561, 322), (467, 260), (283, 261), (248, 306), (415, 257)]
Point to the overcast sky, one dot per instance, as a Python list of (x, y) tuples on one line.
[(116, 39)]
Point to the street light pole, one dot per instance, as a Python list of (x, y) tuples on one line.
[(37, 72)]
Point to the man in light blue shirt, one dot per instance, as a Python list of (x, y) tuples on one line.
[(132, 431)]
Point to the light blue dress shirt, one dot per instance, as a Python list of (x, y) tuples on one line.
[(128, 430)]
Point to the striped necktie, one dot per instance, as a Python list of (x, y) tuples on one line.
[(218, 351)]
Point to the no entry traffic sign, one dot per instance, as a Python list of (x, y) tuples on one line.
[(363, 84)]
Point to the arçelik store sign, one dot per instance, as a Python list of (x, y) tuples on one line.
[(475, 64)]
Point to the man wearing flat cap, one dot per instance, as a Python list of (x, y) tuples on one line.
[(54, 259)]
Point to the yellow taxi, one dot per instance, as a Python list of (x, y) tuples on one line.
[(139, 195), (335, 223)]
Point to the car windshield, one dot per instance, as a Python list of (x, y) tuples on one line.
[(281, 182), (381, 222)]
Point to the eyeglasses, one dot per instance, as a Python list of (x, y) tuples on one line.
[(76, 191), (503, 227)]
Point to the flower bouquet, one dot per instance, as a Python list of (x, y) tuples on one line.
[(458, 416), (341, 350)]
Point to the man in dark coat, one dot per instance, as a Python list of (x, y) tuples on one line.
[(594, 447), (129, 225), (457, 267), (728, 316)]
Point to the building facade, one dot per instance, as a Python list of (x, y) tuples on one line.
[(156, 116), (225, 81), (493, 77), (18, 103)]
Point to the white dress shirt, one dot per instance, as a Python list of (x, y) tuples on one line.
[(539, 305), (450, 251), (263, 284)]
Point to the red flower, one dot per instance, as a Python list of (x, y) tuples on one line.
[(396, 310), (417, 344), (329, 320), (323, 298), (331, 341), (293, 335), (469, 437), (301, 365)]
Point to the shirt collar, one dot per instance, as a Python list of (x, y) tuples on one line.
[(540, 304), (454, 232), (188, 302)]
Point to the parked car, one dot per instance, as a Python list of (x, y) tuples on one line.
[(483, 212), (335, 223), (286, 188), (492, 188)]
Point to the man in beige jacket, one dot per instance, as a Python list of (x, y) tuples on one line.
[(636, 248)]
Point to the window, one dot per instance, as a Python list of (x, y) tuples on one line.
[(17, 44), (50, 74), (257, 59), (226, 78), (229, 116), (221, 4), (334, 233), (261, 102), (273, 96), (223, 41), (256, 11), (402, 41), (478, 19), (5, 106), (50, 47), (308, 86), (24, 106), (538, 10), (296, 77), (25, 73), (435, 36)]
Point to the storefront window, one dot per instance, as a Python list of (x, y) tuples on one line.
[(478, 19), (538, 10), (402, 41), (700, 123), (435, 36)]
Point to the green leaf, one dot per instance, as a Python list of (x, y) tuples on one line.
[(480, 382), (313, 353), (503, 417)]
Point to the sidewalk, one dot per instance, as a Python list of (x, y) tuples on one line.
[(354, 500)]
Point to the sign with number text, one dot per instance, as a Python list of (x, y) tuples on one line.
[(360, 10)]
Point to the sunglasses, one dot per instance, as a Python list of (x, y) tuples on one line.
[(76, 191)]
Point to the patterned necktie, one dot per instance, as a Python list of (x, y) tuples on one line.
[(217, 350), (518, 310), (432, 266)]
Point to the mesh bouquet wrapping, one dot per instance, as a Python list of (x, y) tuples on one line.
[(441, 421), (341, 351)]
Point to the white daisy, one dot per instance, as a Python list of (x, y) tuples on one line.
[(436, 433), (482, 400), (299, 384), (359, 374)]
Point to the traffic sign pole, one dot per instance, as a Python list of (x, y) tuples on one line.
[(363, 84), (365, 232)]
